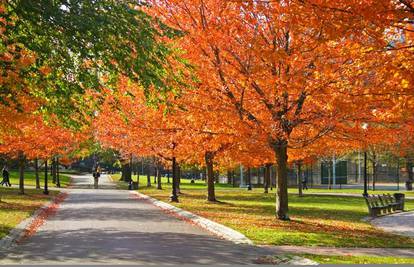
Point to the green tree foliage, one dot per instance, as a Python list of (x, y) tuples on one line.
[(87, 45)]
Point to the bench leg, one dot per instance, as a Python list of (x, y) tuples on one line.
[(374, 212)]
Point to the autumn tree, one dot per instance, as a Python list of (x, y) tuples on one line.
[(287, 77), (35, 139)]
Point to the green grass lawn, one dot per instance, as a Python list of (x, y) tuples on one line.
[(30, 179), (322, 259), (14, 208), (316, 220)]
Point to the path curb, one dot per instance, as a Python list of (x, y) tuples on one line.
[(216, 228), (19, 231)]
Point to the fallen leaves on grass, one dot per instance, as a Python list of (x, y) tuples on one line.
[(41, 217)]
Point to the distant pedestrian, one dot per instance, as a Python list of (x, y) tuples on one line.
[(96, 175), (6, 177), (304, 181)]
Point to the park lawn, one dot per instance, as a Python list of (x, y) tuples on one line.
[(14, 208), (30, 178), (323, 259), (316, 220)]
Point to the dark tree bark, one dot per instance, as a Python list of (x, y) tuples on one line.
[(229, 177), (174, 194), (159, 186), (57, 173), (46, 190), (329, 175), (155, 174), (249, 179), (211, 194), (21, 172), (233, 179), (149, 177), (126, 172), (409, 167), (54, 170), (37, 173), (267, 179), (299, 178), (168, 177), (282, 209), (273, 179), (178, 178)]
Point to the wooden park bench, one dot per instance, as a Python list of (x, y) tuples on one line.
[(382, 204)]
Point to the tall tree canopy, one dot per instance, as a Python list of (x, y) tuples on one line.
[(293, 70), (69, 47)]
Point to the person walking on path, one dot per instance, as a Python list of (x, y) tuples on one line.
[(6, 177), (96, 175), (304, 182)]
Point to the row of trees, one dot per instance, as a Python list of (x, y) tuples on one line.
[(216, 83), (277, 82), (57, 55)]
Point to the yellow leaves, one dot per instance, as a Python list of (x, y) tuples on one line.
[(405, 84)]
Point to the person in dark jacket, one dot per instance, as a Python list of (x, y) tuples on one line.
[(96, 175), (6, 177)]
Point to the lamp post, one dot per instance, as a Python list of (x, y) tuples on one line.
[(46, 190), (365, 194), (174, 193)]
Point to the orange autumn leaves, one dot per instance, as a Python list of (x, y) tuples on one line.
[(36, 138), (267, 76)]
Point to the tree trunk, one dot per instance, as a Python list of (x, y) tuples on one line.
[(46, 190), (374, 174), (211, 195), (149, 177), (54, 172), (37, 173), (282, 207), (228, 177), (126, 172), (178, 178), (329, 176), (57, 173), (273, 179), (267, 178), (174, 194), (168, 177), (21, 173), (159, 186), (233, 179), (155, 174), (299, 178), (249, 179), (409, 167)]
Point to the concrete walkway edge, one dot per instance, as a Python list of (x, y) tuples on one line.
[(216, 228)]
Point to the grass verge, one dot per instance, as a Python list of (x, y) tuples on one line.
[(30, 178), (14, 208), (322, 259)]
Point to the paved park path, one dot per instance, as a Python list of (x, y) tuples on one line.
[(399, 223), (108, 226)]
